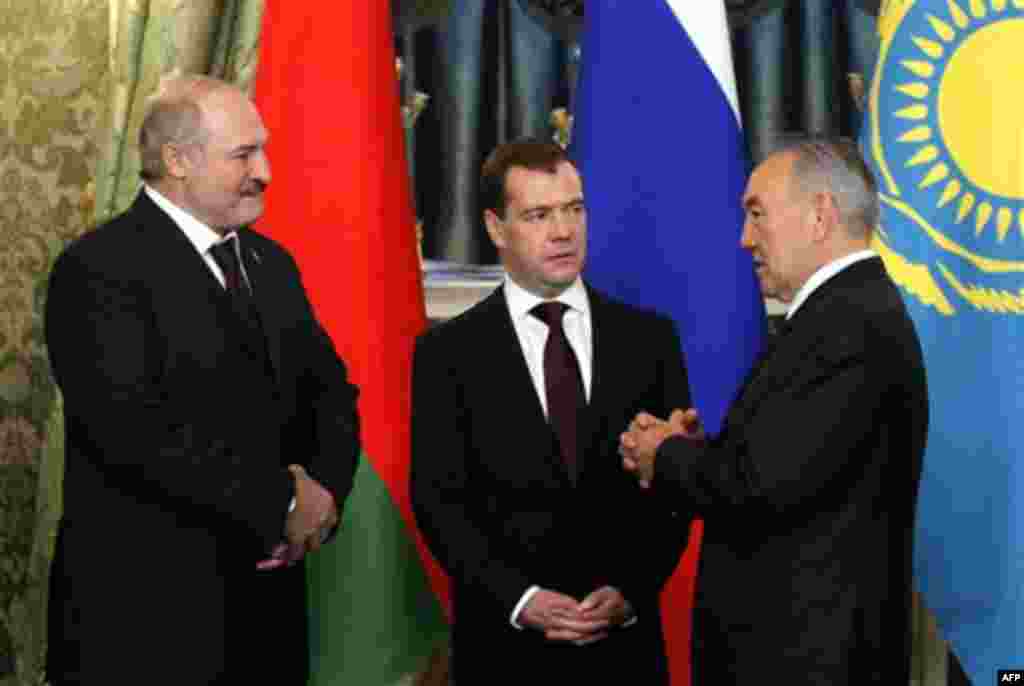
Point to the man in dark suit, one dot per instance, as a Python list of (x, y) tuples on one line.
[(808, 493), (211, 434), (516, 482)]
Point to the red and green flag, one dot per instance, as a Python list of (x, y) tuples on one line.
[(340, 201)]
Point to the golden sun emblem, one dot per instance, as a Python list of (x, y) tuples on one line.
[(946, 136)]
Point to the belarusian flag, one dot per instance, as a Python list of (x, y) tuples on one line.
[(340, 201)]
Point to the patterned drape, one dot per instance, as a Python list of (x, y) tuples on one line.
[(52, 90), (74, 75)]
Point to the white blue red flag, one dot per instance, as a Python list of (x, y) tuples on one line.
[(658, 139)]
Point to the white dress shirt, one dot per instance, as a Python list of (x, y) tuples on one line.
[(533, 335), (201, 236)]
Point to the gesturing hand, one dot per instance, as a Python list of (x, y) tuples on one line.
[(639, 444), (687, 424)]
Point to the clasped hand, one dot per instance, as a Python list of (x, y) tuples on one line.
[(639, 444), (315, 515), (562, 618)]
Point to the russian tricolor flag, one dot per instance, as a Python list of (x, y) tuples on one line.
[(658, 139), (657, 136)]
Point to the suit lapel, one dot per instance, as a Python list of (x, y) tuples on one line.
[(188, 269), (176, 252), (260, 280), (782, 359), (602, 340)]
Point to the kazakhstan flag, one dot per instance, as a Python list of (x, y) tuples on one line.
[(944, 133)]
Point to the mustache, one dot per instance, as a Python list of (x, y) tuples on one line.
[(254, 188)]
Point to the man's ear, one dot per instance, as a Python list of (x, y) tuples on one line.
[(825, 215), (494, 228), (176, 161)]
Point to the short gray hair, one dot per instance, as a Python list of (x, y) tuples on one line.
[(836, 166), (173, 117)]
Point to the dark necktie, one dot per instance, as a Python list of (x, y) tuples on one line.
[(225, 254), (562, 382)]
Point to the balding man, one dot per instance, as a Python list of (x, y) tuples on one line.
[(211, 434), (808, 492)]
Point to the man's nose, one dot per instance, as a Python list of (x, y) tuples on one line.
[(746, 237), (562, 225), (260, 167)]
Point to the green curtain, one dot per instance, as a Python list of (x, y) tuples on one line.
[(75, 75)]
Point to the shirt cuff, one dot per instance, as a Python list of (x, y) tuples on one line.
[(291, 506), (530, 592)]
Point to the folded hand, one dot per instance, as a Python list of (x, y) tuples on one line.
[(559, 617), (315, 513), (283, 555)]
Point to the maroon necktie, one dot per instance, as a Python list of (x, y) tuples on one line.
[(562, 382), (225, 255)]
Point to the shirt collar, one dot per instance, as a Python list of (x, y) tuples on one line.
[(824, 274), (521, 301), (199, 234)]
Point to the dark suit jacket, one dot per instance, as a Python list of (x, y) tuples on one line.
[(808, 497), (175, 481), (498, 508)]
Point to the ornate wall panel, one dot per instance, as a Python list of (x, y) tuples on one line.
[(53, 61)]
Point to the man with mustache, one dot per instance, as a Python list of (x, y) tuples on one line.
[(516, 483), (808, 492), (211, 434)]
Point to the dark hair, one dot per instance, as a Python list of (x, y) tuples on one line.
[(534, 154)]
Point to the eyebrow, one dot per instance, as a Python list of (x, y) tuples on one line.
[(244, 149), (536, 208)]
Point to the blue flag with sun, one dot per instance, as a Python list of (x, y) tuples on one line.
[(944, 133)]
